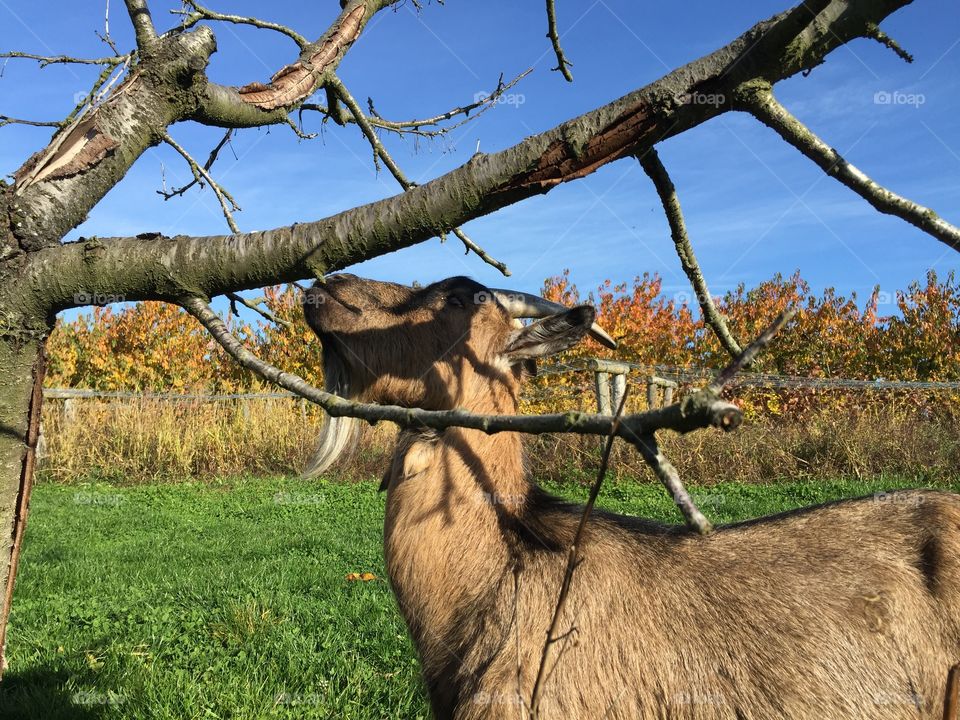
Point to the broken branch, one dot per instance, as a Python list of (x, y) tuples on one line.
[(563, 65)]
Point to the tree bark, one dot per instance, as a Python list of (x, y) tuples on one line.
[(20, 400)]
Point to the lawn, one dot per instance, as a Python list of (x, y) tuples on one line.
[(231, 600)]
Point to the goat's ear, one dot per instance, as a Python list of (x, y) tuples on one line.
[(551, 334)]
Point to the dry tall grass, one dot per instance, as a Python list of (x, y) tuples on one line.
[(143, 440)]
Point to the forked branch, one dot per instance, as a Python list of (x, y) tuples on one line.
[(202, 174), (340, 91), (758, 99)]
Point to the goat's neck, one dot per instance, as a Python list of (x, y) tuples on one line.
[(450, 497)]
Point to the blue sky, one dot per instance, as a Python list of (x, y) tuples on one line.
[(754, 206)]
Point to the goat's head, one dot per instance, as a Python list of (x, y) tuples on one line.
[(454, 343)]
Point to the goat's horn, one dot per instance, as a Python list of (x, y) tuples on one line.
[(526, 305)]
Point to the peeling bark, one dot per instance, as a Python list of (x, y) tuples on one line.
[(296, 82)]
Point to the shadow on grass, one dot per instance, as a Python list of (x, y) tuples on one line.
[(41, 694)]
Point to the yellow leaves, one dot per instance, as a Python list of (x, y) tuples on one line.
[(362, 577)]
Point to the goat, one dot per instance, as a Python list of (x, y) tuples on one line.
[(844, 610)]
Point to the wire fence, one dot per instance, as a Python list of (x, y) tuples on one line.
[(663, 375)]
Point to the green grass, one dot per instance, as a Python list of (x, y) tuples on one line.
[(230, 601)]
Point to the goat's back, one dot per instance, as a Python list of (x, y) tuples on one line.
[(847, 610)]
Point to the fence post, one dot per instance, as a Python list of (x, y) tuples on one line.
[(668, 394), (651, 392), (603, 392), (69, 412), (609, 394)]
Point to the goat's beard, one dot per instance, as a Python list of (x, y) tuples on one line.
[(338, 434)]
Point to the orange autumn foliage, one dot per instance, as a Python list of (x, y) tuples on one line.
[(155, 347)]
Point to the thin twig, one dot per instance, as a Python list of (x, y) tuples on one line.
[(951, 705), (337, 86), (416, 126), (7, 120), (750, 353), (46, 60), (211, 159), (563, 65), (650, 162), (573, 561), (758, 99), (254, 305), (199, 172), (198, 12)]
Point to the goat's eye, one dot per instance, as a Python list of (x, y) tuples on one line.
[(455, 301)]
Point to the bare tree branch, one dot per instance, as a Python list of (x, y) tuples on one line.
[(254, 305), (650, 162), (142, 23), (200, 174), (257, 104), (667, 474), (7, 120), (563, 65), (758, 99), (197, 177), (380, 151), (874, 32), (573, 560), (46, 60), (193, 12)]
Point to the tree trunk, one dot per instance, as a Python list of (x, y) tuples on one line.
[(22, 365)]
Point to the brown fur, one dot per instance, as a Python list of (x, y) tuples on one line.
[(845, 610)]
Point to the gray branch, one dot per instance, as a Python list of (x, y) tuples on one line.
[(757, 98), (142, 23), (650, 162), (563, 65)]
